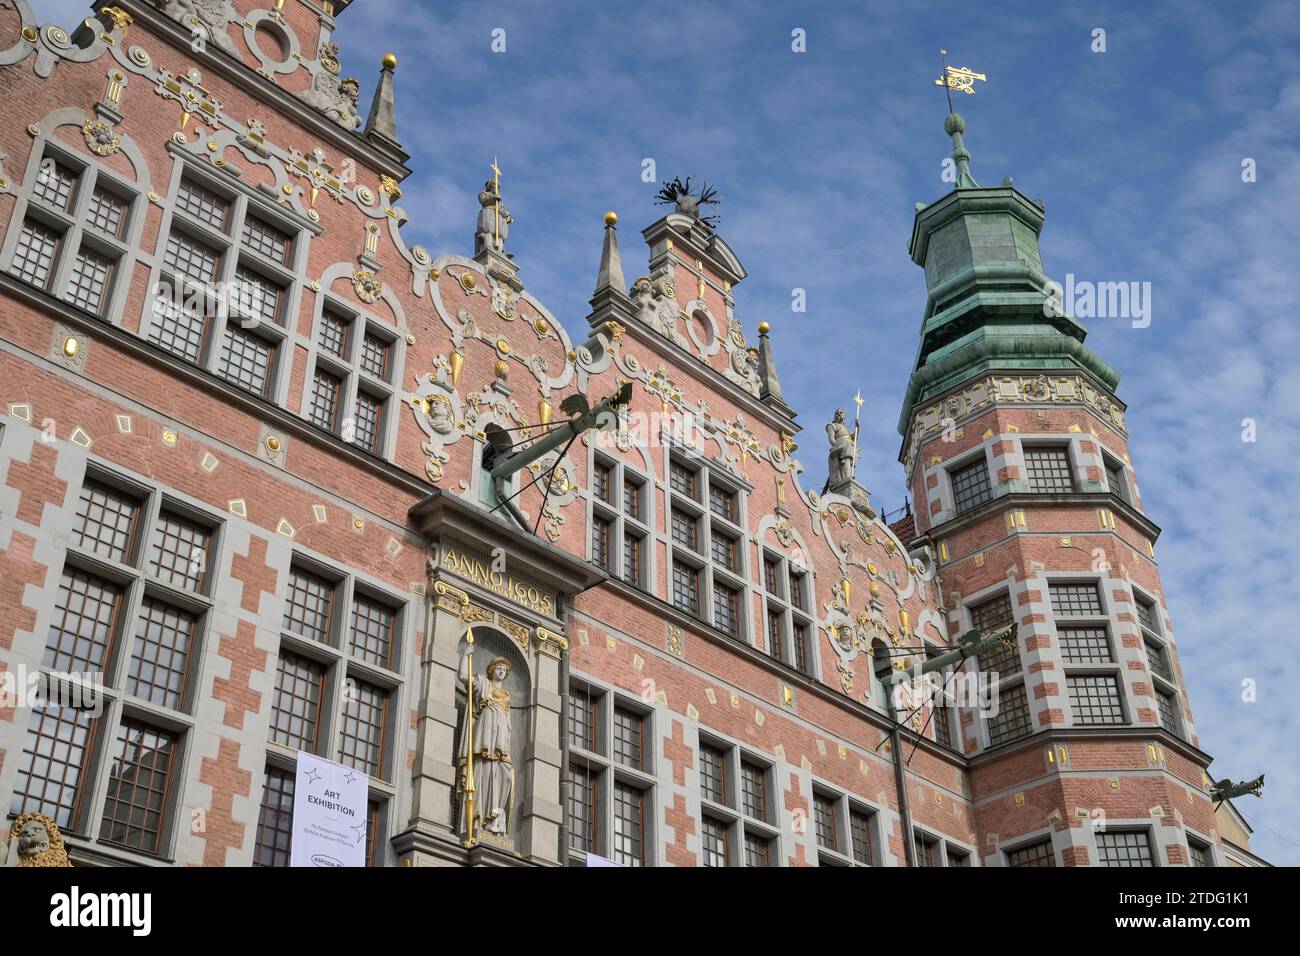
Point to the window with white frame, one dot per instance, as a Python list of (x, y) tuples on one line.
[(132, 610), (611, 776), (337, 688), (620, 531), (707, 558), (845, 831), (350, 384), (1047, 468), (787, 624), (1125, 848), (73, 229), (228, 282), (1092, 674), (1160, 664), (970, 485), (738, 806)]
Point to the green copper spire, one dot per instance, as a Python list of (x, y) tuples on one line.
[(986, 289), (954, 125)]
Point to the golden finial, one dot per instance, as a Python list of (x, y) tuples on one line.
[(390, 61), (611, 218), (764, 327)]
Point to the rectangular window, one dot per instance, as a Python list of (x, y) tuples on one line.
[(83, 622), (372, 631), (1167, 704), (713, 774), (308, 605), (160, 657), (1094, 699), (990, 617), (1158, 659), (202, 204), (970, 486), (925, 848), (1115, 480), (722, 503), (266, 239), (373, 831), (685, 529), (714, 840), (107, 212), (627, 737), (801, 647), (686, 590), (1035, 854), (136, 804), (726, 604), (374, 356), (361, 738), (52, 763), (774, 634), (333, 334), (1085, 645), (758, 850), (629, 825), (600, 528), (632, 559), (180, 553), (191, 258), (860, 836), (600, 480), (257, 296), (1013, 719), (1146, 612), (824, 822), (55, 184), (295, 711), (1199, 854), (942, 725), (683, 480), (326, 389), (89, 280), (176, 326), (275, 821), (723, 550), (772, 576), (582, 809), (958, 858), (246, 359), (582, 719), (797, 590), (753, 790), (1124, 848), (106, 522), (1048, 469), (632, 495), (34, 256), (369, 420), (1076, 599)]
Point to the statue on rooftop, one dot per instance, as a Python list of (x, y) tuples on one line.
[(679, 194), (205, 20), (840, 465)]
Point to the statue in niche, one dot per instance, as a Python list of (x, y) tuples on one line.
[(494, 774), (840, 466), (336, 98), (35, 840), (206, 20), (494, 220)]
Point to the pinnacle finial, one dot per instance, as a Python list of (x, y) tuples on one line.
[(389, 62), (611, 218)]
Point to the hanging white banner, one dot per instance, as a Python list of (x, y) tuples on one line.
[(329, 814)]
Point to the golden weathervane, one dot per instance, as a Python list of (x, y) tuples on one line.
[(959, 78)]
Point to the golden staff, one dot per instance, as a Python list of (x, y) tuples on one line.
[(857, 428), (469, 741), (496, 186)]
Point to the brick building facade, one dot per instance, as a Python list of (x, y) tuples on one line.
[(244, 458)]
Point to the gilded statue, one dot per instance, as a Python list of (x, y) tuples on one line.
[(494, 774)]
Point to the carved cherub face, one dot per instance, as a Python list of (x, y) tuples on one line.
[(33, 839)]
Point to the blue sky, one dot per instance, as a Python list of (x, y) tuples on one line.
[(819, 158)]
